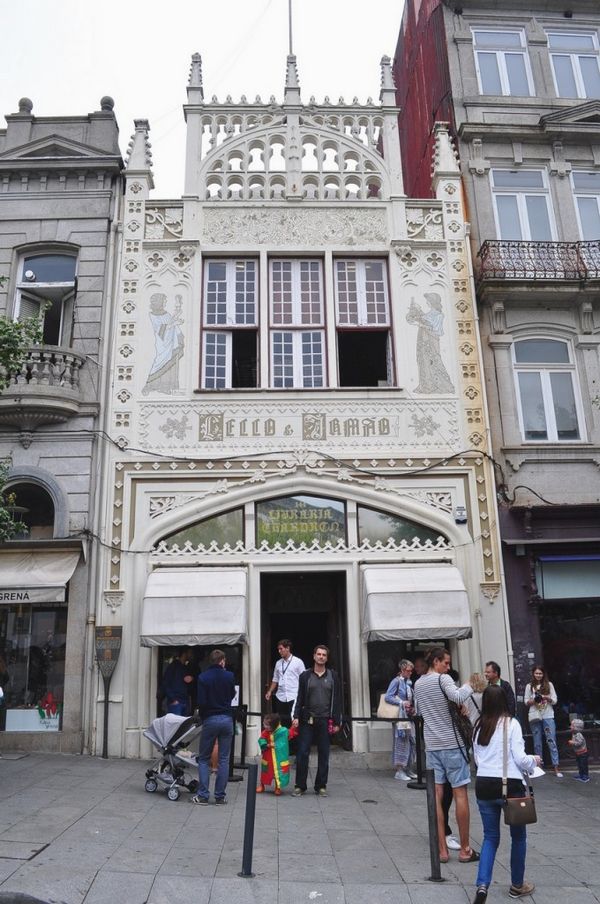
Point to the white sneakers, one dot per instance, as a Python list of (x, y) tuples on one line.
[(452, 843), (402, 776)]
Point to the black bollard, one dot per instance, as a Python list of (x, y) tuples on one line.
[(434, 849), (418, 783), (246, 872)]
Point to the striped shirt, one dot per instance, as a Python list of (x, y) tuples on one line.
[(431, 703)]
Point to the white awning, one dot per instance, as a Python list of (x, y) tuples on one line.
[(194, 606), (409, 602), (36, 577)]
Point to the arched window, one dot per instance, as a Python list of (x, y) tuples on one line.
[(227, 527), (32, 508), (46, 283), (377, 526), (546, 382)]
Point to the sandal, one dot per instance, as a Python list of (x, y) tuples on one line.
[(472, 858)]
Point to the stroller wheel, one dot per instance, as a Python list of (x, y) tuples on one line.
[(173, 793), (193, 786), (151, 785)]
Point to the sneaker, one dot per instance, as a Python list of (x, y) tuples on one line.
[(452, 843), (196, 799), (298, 792), (480, 895), (321, 792), (582, 778), (221, 800), (412, 775), (559, 775), (401, 776), (517, 891)]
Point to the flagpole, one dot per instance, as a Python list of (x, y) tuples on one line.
[(290, 26)]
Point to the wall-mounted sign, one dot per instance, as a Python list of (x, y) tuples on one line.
[(32, 595), (108, 647), (301, 519)]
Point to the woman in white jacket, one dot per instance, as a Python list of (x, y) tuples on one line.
[(495, 719)]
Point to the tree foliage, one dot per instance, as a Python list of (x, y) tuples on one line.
[(16, 338), (8, 526)]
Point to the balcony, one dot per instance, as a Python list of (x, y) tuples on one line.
[(44, 391), (501, 260)]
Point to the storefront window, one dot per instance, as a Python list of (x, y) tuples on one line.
[(32, 666), (302, 519), (225, 528), (379, 526), (384, 657)]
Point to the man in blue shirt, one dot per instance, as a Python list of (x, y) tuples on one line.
[(216, 690)]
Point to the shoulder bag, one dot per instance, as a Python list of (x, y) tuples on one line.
[(461, 724), (518, 811)]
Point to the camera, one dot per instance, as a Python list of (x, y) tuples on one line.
[(538, 698)]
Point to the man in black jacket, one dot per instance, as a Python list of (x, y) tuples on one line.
[(492, 674), (318, 711)]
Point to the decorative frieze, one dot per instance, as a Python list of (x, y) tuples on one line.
[(282, 226)]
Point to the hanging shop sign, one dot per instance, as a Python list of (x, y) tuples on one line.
[(108, 647)]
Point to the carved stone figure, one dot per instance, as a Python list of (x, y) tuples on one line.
[(168, 345), (433, 376)]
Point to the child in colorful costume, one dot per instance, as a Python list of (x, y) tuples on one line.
[(275, 750)]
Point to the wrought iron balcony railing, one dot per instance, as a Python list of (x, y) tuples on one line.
[(501, 259)]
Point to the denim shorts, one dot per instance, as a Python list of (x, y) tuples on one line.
[(449, 766)]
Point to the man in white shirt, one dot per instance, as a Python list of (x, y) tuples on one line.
[(284, 683)]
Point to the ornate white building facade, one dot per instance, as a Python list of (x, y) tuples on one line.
[(298, 407)]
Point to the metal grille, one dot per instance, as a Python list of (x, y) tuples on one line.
[(539, 260)]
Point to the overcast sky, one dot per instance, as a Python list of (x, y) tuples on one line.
[(66, 54)]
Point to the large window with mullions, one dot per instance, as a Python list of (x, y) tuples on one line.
[(297, 323), (549, 405), (230, 324)]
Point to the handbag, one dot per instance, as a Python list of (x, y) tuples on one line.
[(461, 724), (518, 811), (387, 710)]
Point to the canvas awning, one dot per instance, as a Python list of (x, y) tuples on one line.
[(36, 577), (194, 606), (408, 602)]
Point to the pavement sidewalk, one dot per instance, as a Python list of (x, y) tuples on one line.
[(78, 829)]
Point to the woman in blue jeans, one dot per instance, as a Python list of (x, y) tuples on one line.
[(540, 699), (488, 750)]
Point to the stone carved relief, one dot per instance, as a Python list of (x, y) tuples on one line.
[(280, 227), (367, 426), (168, 345), (433, 376), (424, 223), (164, 222)]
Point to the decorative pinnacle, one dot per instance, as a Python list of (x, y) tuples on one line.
[(292, 83), (195, 80), (445, 158), (140, 156), (387, 80)]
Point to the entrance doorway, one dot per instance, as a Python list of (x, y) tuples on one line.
[(308, 608)]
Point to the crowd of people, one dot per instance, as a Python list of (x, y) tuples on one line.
[(306, 708)]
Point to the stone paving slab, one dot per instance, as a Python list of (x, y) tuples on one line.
[(103, 840)]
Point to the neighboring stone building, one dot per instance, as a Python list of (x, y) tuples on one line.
[(298, 399), (60, 189), (520, 87)]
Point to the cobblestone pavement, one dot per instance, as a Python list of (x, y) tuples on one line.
[(78, 829)]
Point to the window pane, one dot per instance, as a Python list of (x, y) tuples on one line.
[(347, 292), (225, 528), (565, 411), (517, 74), (281, 292), (591, 75), (215, 311), (310, 292), (541, 351), (302, 519), (245, 292), (532, 406), (375, 293), (379, 526), (590, 218), (586, 181), (508, 217), (490, 74), (283, 360), (312, 360), (565, 78), (499, 39), (539, 219), (570, 42), (215, 361), (50, 268), (518, 179)]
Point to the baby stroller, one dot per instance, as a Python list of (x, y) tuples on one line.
[(170, 735)]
